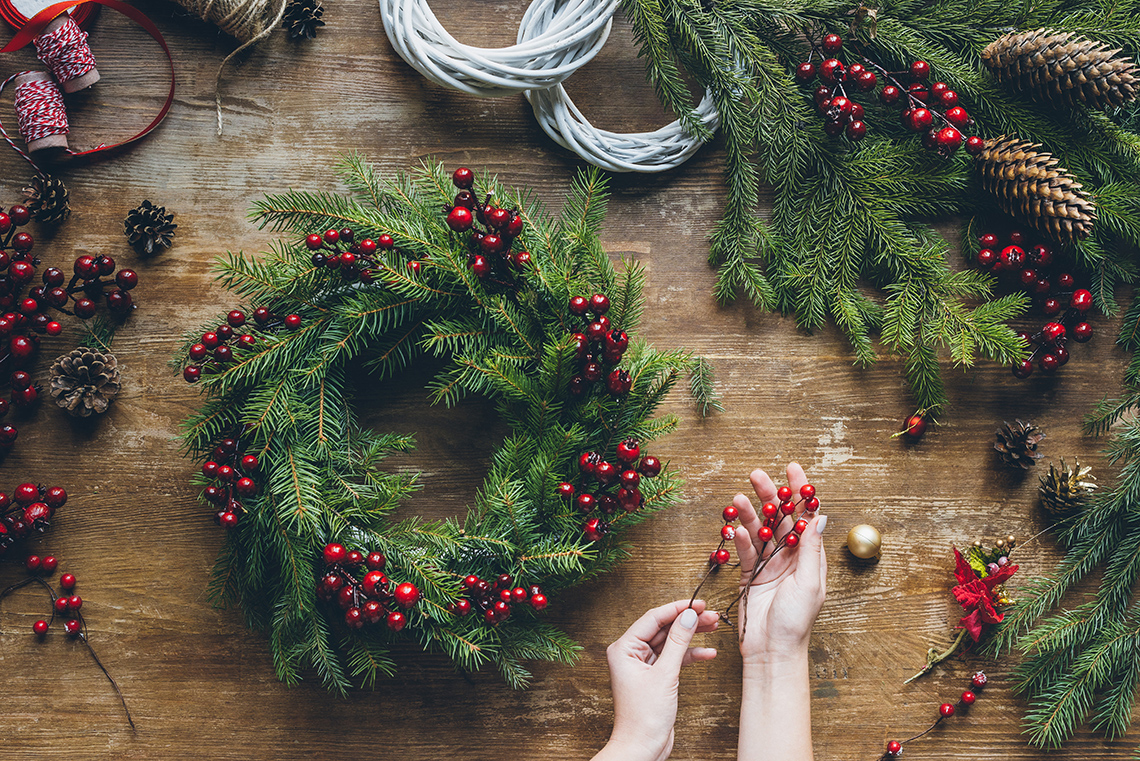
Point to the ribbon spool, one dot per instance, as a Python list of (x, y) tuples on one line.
[(36, 26), (569, 33), (17, 12), (555, 39)]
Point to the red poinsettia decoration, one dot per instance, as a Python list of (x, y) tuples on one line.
[(976, 595)]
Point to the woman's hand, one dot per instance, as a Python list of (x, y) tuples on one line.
[(784, 600), (645, 666)]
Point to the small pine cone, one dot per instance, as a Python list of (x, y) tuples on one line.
[(1066, 490), (48, 200), (1062, 68), (1017, 444), (85, 381), (149, 227), (1030, 186), (302, 18)]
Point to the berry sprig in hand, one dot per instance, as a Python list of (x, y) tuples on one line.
[(494, 231), (1032, 269), (604, 487), (214, 352), (366, 599), (931, 110), (66, 605)]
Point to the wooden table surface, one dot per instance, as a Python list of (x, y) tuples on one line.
[(201, 686)]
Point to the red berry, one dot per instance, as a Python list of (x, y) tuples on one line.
[(1017, 237), (950, 100), (565, 490), (619, 382), (807, 491), (788, 507), (67, 581), (587, 461), (1082, 332), (1049, 363), (605, 472), (921, 119), (293, 321), (649, 466), (801, 524), (40, 627), (538, 601), (463, 178), (480, 266), (397, 621), (367, 247), (72, 627), (192, 373), (75, 602), (629, 499), (856, 131), (975, 145), (49, 563), (987, 257), (894, 748), (33, 563), (889, 95), (23, 242), (920, 70), (579, 305), (769, 510), (599, 304), (335, 554), (730, 514), (784, 493), (720, 557), (791, 540), (53, 328), (331, 236), (1012, 256), (946, 710), (949, 139), (978, 680), (26, 494), (865, 81), (375, 561), (236, 318), (832, 44), (1028, 276), (460, 219), (630, 479), (1082, 300), (1041, 254), (1053, 331), (61, 604), (246, 487), (1065, 281), (805, 73), (727, 533), (831, 70), (812, 504), (407, 595), (764, 534), (968, 698), (372, 580), (628, 450), (313, 242)]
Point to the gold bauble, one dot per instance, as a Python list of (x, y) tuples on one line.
[(864, 541), (1011, 540)]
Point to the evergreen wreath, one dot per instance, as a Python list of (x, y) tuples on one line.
[(309, 522)]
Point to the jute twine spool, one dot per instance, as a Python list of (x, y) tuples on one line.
[(250, 21)]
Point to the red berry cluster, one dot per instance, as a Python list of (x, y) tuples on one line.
[(27, 510), (86, 289), (945, 711), (369, 598), (601, 345), (232, 470), (491, 244), (604, 487), (494, 599), (339, 250), (67, 605), (931, 109), (792, 507), (214, 350), (1031, 267)]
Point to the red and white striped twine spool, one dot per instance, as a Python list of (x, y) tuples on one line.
[(39, 110), (65, 51)]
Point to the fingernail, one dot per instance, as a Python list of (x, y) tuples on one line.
[(688, 619), (820, 523)]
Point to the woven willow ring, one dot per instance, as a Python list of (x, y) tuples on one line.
[(565, 35)]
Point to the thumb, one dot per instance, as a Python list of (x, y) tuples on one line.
[(677, 644), (811, 555)]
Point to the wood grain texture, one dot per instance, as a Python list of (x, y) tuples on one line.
[(202, 687)]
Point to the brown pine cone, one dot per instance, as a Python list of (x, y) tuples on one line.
[(85, 381), (1017, 444)]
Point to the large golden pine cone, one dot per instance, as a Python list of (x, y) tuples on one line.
[(1062, 68), (1030, 186), (85, 381)]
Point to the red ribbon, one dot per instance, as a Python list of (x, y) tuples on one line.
[(36, 25)]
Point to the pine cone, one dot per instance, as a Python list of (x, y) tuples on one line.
[(302, 17), (1030, 186), (1017, 444), (1066, 490), (1062, 68), (48, 200), (149, 227), (85, 381)]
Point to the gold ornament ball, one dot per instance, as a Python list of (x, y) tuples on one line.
[(864, 541)]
